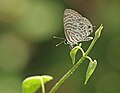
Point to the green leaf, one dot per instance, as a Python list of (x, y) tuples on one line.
[(73, 53), (33, 83), (98, 32), (91, 68)]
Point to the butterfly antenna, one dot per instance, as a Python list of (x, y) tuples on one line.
[(93, 26), (58, 37), (59, 43)]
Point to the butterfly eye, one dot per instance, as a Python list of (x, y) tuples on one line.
[(65, 42)]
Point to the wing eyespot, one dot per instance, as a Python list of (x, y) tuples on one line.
[(90, 31), (89, 26)]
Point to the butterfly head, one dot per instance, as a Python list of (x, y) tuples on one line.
[(65, 42)]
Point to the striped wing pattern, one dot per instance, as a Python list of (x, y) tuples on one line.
[(76, 27)]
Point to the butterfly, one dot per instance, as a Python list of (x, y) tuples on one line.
[(76, 28)]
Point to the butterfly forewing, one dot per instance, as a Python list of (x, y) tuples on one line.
[(76, 27)]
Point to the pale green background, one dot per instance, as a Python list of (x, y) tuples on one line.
[(27, 47)]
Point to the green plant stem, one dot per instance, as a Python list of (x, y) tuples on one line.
[(91, 46), (42, 85), (89, 58), (82, 51), (66, 76), (57, 85)]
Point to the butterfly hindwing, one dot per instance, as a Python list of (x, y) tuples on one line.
[(76, 27)]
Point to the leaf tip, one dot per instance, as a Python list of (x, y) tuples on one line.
[(98, 32), (85, 82)]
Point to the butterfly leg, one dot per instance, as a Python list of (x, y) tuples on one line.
[(73, 45), (70, 47)]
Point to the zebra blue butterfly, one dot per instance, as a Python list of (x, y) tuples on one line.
[(76, 28)]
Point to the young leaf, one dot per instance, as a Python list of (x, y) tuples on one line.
[(33, 83), (91, 68), (98, 32), (46, 78), (73, 53)]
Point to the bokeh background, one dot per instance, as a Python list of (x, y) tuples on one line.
[(27, 47)]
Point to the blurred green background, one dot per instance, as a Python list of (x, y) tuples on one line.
[(27, 47)]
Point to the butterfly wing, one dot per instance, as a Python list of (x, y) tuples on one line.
[(75, 27), (70, 27), (89, 27)]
